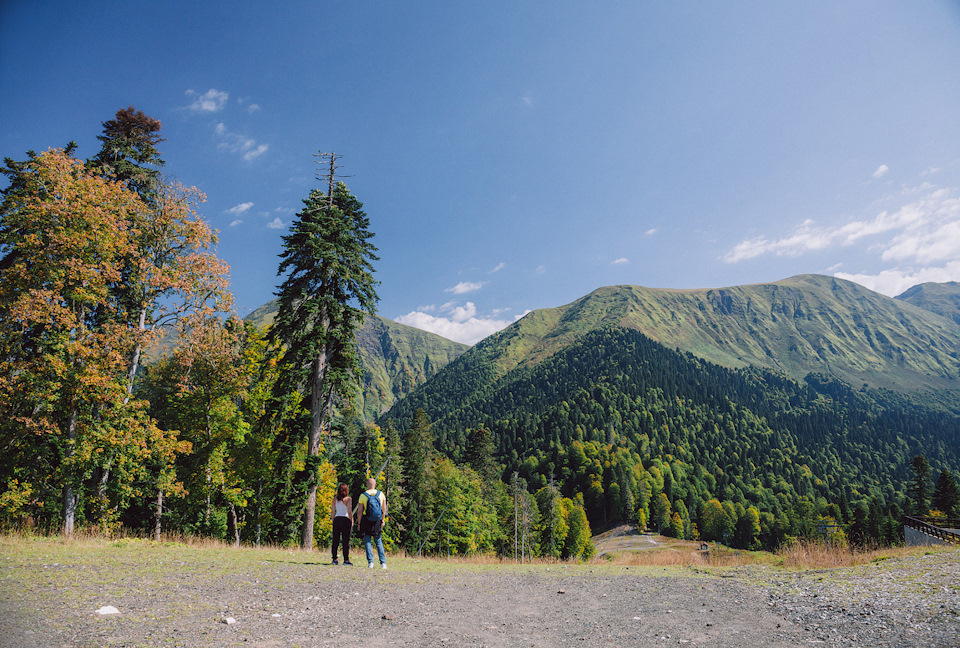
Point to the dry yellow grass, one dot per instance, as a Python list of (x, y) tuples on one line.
[(820, 555)]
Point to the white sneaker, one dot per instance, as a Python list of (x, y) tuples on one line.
[(370, 565), (383, 565)]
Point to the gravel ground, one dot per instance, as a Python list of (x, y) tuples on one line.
[(170, 598)]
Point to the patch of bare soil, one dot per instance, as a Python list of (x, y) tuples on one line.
[(299, 600)]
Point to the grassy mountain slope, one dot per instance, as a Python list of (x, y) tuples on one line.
[(940, 298), (396, 358), (808, 323)]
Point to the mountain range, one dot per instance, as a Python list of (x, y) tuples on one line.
[(808, 389), (797, 326)]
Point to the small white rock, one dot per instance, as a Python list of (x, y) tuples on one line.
[(108, 609), (229, 620)]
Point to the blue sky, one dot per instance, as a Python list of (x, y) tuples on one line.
[(518, 155)]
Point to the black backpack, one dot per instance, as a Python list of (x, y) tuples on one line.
[(374, 511)]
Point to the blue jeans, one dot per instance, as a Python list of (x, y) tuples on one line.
[(369, 548)]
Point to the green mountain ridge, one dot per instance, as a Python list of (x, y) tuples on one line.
[(808, 323), (940, 298)]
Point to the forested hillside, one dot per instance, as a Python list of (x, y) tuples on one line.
[(644, 431)]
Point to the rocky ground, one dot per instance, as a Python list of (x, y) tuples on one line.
[(171, 597)]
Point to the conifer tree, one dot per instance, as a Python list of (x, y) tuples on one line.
[(329, 287), (946, 495), (418, 455), (919, 490)]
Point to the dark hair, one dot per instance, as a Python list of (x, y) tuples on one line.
[(342, 491)]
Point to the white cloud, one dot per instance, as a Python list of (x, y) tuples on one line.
[(276, 223), (620, 261), (894, 282), (246, 147), (497, 268), (917, 242), (881, 171), (252, 108), (236, 210), (465, 287), (235, 222), (459, 324), (651, 231), (924, 230), (210, 101)]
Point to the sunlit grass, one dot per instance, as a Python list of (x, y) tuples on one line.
[(821, 555)]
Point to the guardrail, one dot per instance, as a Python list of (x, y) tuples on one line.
[(935, 527)]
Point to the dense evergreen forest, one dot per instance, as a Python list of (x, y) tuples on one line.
[(648, 435)]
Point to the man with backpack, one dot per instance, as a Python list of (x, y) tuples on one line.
[(371, 516)]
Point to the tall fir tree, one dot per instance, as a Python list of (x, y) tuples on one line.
[(946, 495), (418, 455), (329, 287), (919, 490)]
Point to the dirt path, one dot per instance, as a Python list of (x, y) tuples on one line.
[(166, 599)]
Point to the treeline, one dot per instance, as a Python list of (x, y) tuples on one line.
[(650, 436)]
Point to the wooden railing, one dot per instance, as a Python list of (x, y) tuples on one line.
[(935, 527)]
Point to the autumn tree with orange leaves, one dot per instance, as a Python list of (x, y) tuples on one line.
[(98, 261), (63, 353)]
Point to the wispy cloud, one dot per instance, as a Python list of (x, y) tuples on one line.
[(651, 231), (236, 210), (211, 101), (235, 222), (276, 223), (456, 322), (497, 268), (465, 287), (620, 261), (247, 147), (881, 171), (918, 240)]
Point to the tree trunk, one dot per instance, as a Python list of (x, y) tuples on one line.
[(317, 409), (233, 527), (259, 507), (69, 497), (135, 358), (157, 515)]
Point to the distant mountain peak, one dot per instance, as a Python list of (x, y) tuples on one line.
[(802, 324)]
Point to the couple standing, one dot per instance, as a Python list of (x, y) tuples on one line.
[(371, 516)]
